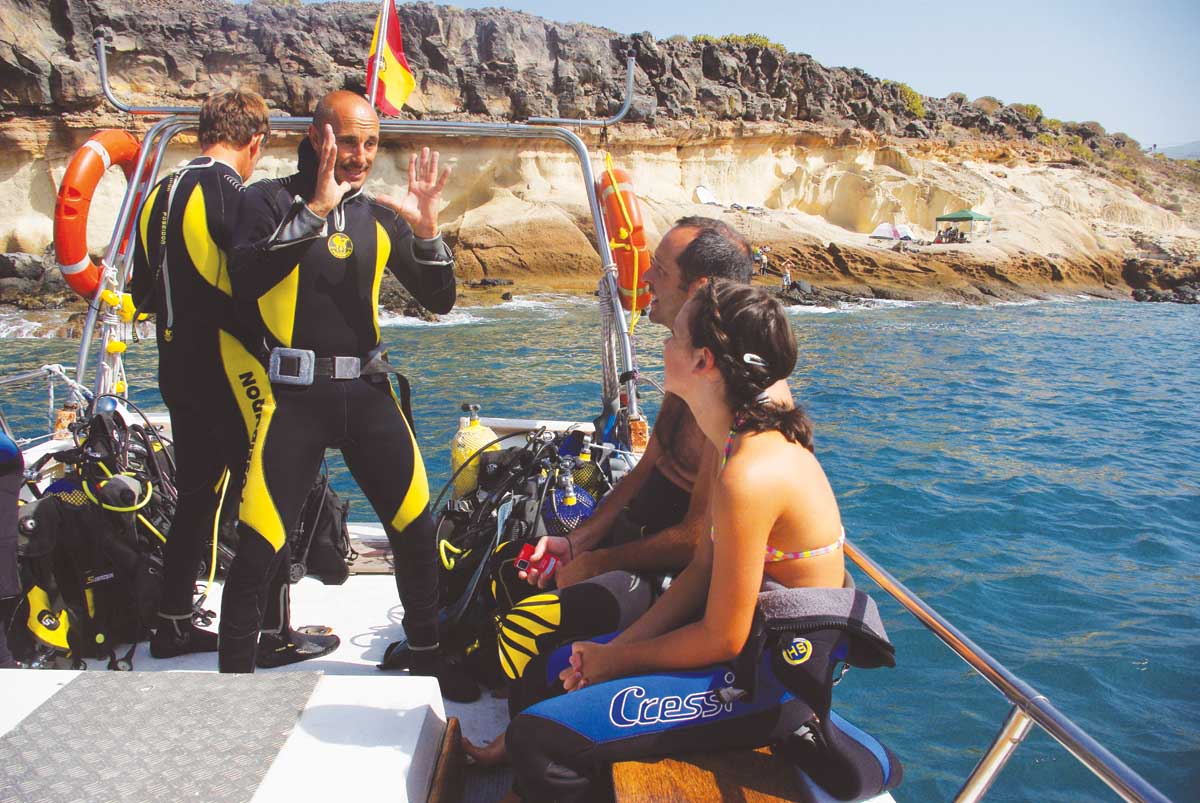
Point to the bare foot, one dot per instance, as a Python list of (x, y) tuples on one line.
[(491, 755)]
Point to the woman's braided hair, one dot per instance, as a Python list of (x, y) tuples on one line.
[(749, 336)]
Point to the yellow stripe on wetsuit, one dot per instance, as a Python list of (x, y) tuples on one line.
[(531, 617), (250, 386), (209, 259), (278, 307), (416, 498)]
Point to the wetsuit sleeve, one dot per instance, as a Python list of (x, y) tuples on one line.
[(141, 283), (272, 237), (228, 201), (424, 267)]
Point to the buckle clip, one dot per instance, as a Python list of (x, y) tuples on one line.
[(291, 366), (347, 367)]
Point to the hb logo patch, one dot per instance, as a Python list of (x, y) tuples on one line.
[(340, 245), (799, 651)]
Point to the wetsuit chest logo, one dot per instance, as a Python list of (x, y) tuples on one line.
[(340, 245), (799, 651)]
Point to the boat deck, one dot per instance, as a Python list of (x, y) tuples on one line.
[(248, 737)]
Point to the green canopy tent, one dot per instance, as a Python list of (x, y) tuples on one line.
[(967, 216)]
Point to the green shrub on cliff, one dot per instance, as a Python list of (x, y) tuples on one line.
[(1030, 111), (1080, 151), (987, 104), (739, 40), (1052, 124), (1046, 139), (910, 98)]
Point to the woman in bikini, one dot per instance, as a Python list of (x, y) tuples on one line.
[(655, 688)]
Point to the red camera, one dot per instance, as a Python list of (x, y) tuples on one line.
[(545, 567)]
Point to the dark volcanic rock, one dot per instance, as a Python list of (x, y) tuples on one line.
[(490, 62)]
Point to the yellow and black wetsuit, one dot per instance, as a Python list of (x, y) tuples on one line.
[(210, 370), (316, 284)]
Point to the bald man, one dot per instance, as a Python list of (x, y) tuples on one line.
[(311, 253)]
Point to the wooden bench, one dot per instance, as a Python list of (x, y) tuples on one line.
[(744, 776)]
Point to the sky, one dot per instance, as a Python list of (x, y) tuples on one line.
[(1132, 67)]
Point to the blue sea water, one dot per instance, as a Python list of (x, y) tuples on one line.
[(1029, 470)]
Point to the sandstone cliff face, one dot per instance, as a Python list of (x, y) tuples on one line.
[(814, 157)]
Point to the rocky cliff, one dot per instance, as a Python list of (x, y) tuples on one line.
[(805, 159)]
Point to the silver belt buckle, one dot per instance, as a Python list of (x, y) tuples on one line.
[(291, 366), (347, 367)]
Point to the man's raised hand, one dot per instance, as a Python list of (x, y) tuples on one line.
[(419, 206), (329, 191)]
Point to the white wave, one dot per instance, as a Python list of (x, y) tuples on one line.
[(547, 301), (801, 309), (38, 325), (458, 318), (14, 326)]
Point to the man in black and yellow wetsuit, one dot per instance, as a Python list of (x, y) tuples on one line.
[(311, 252), (206, 349)]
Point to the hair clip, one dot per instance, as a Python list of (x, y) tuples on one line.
[(763, 398), (750, 358)]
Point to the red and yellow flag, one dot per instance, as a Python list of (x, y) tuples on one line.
[(395, 80)]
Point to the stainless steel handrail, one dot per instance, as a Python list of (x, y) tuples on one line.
[(616, 118), (1031, 704), (123, 215), (451, 129), (51, 373), (111, 98)]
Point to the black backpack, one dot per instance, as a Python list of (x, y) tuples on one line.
[(90, 550)]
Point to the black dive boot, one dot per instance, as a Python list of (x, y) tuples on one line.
[(275, 649), (177, 635), (280, 645), (456, 683)]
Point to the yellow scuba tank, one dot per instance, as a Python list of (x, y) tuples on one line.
[(586, 474), (472, 438)]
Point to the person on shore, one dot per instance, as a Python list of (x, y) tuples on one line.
[(311, 252), (775, 522), (12, 475), (206, 346)]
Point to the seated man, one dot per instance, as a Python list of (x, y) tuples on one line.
[(641, 525), (650, 522)]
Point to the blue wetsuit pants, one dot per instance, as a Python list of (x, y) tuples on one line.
[(561, 747)]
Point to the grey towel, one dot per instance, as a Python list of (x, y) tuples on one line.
[(794, 609)]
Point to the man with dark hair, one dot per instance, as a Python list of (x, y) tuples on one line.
[(644, 523), (206, 352), (311, 253)]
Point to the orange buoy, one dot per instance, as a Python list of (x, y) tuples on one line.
[(623, 219), (105, 148)]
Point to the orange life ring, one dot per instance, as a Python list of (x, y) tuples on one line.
[(105, 148), (623, 219)]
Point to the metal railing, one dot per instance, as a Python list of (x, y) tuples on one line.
[(164, 130), (1029, 706), (52, 374)]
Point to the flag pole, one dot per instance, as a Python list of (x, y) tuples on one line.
[(373, 89)]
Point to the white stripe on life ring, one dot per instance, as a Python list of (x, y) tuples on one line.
[(81, 265), (608, 190), (100, 151)]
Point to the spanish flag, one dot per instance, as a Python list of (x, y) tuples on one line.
[(395, 80)]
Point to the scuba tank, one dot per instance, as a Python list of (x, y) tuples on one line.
[(566, 506), (470, 440), (586, 474)]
